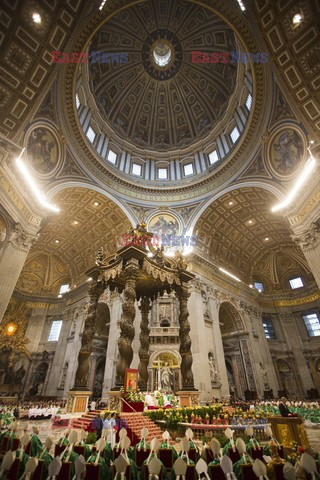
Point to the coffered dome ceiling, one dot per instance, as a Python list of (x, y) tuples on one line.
[(160, 99)]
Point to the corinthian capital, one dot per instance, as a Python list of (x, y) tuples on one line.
[(309, 237), (21, 239)]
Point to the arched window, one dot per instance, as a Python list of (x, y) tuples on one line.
[(165, 323)]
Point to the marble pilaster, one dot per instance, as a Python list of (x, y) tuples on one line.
[(12, 260), (213, 305), (112, 349)]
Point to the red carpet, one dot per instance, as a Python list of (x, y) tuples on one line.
[(134, 422)]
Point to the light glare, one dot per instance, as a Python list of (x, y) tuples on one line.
[(229, 274), (37, 192), (309, 166)]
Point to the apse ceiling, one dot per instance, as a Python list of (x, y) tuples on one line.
[(240, 233), (70, 239), (159, 99)]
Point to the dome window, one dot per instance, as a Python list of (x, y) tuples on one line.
[(249, 102), (296, 283), (234, 135), (213, 157), (188, 169), (259, 286), (91, 134), (162, 173), (136, 169), (77, 101), (112, 157)]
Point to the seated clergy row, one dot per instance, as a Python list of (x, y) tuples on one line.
[(24, 457)]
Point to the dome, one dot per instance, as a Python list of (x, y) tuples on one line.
[(162, 90), (188, 98)]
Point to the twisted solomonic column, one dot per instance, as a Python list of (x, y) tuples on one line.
[(185, 340), (145, 308), (89, 330), (126, 328)]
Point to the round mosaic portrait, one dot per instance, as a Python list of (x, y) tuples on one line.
[(164, 224), (43, 150), (287, 149)]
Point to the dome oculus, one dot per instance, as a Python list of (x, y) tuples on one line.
[(162, 54)]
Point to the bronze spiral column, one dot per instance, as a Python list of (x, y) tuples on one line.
[(89, 330), (126, 328), (185, 340), (145, 308)]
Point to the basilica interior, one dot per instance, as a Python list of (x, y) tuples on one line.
[(222, 157)]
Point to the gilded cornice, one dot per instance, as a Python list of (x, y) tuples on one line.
[(293, 302)]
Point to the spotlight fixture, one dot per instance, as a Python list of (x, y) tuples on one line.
[(230, 203), (250, 286), (36, 17), (229, 274), (57, 241), (305, 174), (250, 222), (266, 239), (75, 222), (59, 296), (96, 204)]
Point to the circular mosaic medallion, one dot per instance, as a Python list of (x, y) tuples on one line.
[(164, 224), (43, 150), (286, 151)]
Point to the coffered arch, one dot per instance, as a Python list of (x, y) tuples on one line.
[(239, 232), (54, 188), (275, 189), (87, 221), (229, 319)]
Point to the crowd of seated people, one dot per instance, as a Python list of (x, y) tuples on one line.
[(40, 410), (72, 456)]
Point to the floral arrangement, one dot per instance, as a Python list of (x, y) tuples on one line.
[(135, 396), (295, 453), (188, 414)]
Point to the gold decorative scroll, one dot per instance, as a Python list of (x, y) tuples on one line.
[(163, 275), (112, 272)]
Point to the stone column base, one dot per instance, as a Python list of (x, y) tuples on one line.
[(78, 401), (188, 398), (114, 400)]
